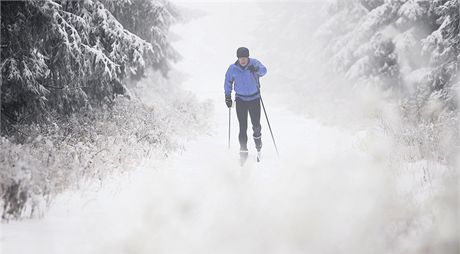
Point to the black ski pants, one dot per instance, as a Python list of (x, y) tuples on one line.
[(253, 108)]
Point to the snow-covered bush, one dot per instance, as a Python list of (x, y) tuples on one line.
[(42, 160)]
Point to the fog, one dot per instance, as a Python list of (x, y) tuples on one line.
[(335, 188)]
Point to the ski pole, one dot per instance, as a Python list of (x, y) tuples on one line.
[(269, 126), (229, 125), (266, 116)]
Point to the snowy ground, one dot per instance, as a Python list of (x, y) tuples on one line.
[(323, 195)]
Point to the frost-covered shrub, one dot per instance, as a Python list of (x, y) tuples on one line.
[(42, 160)]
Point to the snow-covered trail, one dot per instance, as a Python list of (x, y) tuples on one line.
[(323, 195)]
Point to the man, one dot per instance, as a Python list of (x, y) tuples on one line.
[(243, 77)]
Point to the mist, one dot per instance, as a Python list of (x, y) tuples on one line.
[(344, 181)]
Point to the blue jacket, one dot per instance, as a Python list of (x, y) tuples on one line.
[(243, 81)]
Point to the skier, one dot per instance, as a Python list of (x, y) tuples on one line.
[(242, 76)]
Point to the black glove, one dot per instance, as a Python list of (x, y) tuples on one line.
[(253, 68), (228, 100)]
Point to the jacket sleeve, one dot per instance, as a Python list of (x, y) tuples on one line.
[(262, 69), (228, 81)]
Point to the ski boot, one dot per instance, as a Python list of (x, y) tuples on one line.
[(258, 142)]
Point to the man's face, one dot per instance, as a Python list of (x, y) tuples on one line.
[(243, 61)]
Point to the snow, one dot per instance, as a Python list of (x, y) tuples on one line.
[(202, 201), (328, 192), (411, 10)]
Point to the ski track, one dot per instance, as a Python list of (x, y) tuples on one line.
[(315, 198)]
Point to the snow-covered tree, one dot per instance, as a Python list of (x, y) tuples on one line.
[(410, 46), (150, 20), (442, 47), (62, 56)]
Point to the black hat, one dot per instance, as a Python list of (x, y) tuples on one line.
[(242, 52)]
